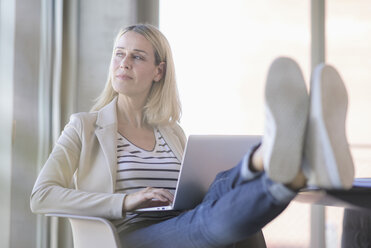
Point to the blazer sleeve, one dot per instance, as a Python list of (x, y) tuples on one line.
[(52, 192)]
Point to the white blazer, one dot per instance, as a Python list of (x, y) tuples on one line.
[(79, 176)]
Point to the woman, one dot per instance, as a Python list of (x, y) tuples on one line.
[(132, 133)]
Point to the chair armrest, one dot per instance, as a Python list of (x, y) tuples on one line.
[(88, 231), (81, 217)]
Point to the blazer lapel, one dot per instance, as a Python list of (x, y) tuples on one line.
[(106, 133), (174, 143)]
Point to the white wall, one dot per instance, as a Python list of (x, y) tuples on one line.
[(18, 125), (89, 30), (6, 111)]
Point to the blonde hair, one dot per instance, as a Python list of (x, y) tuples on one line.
[(163, 104)]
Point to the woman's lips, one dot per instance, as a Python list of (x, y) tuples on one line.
[(123, 77)]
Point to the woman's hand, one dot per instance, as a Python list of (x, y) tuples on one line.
[(148, 197)]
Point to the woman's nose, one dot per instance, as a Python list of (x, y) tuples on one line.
[(125, 63)]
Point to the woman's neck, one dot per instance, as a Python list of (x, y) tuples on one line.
[(130, 111)]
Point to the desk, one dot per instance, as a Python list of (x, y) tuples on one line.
[(358, 197), (357, 209)]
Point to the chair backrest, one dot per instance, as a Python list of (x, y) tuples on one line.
[(91, 232)]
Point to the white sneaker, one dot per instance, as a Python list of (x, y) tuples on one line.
[(327, 159), (286, 112)]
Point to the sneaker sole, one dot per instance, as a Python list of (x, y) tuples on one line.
[(287, 106), (327, 149)]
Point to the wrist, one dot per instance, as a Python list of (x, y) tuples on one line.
[(123, 207)]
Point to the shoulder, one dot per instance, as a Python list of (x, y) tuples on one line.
[(84, 116), (83, 120)]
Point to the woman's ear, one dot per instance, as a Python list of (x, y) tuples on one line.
[(160, 72)]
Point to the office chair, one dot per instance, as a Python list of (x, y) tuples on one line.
[(96, 232), (91, 232)]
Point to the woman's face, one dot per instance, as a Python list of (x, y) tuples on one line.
[(133, 65)]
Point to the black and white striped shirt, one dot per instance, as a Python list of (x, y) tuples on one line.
[(138, 168)]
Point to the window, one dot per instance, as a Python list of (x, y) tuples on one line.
[(222, 52)]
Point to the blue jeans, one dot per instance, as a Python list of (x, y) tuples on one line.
[(236, 206)]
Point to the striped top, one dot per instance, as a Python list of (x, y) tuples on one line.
[(138, 168)]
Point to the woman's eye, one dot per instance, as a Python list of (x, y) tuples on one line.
[(137, 57), (119, 54)]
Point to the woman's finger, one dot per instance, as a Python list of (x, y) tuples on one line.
[(148, 197), (161, 194)]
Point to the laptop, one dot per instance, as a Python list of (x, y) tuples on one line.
[(204, 157)]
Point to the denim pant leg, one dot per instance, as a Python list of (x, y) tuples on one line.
[(227, 180), (232, 210)]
